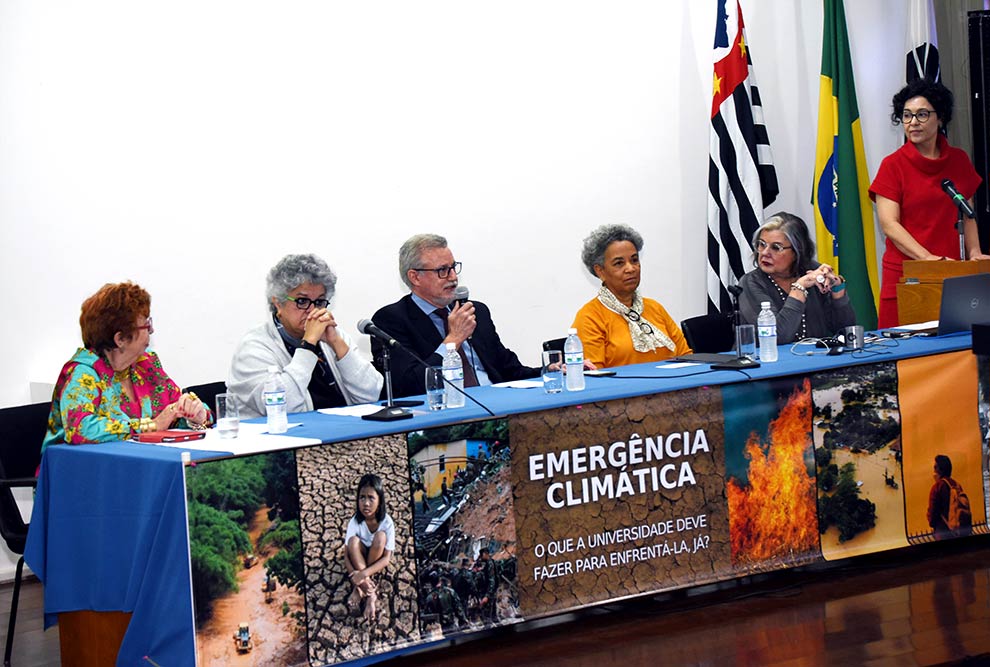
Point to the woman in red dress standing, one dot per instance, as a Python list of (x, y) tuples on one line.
[(916, 216)]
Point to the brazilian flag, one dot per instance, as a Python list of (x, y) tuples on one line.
[(841, 199)]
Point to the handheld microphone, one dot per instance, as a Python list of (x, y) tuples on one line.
[(950, 189), (461, 294), (368, 327)]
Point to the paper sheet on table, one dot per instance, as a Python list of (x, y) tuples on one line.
[(921, 326), (521, 384), (677, 364), (352, 410), (251, 439)]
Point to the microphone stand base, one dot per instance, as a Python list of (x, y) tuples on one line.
[(741, 363), (389, 414)]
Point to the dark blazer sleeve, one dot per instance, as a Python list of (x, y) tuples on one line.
[(415, 331), (501, 363)]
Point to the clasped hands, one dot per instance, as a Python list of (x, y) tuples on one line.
[(822, 278), (188, 407), (320, 325)]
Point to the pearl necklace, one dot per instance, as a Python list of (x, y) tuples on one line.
[(803, 329)]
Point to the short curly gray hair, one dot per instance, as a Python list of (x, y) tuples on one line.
[(294, 270), (411, 252), (599, 240)]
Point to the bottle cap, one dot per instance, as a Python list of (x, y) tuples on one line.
[(572, 331), (764, 304)]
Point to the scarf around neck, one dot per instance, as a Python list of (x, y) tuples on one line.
[(646, 336)]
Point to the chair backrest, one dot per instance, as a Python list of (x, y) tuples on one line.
[(208, 392), (709, 333), (554, 344), (22, 430)]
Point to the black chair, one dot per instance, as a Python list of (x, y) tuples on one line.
[(208, 392), (22, 430), (709, 333), (554, 344)]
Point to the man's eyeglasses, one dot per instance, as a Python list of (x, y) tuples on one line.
[(775, 248), (303, 303), (149, 325), (922, 115), (444, 271)]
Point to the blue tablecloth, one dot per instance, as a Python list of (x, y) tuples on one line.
[(109, 532)]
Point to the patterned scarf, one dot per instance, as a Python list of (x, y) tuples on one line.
[(646, 336)]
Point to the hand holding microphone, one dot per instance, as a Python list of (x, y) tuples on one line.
[(461, 320)]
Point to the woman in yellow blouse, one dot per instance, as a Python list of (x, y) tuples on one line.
[(620, 327)]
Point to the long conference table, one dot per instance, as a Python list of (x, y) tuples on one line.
[(649, 480)]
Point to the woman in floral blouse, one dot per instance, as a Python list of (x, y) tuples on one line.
[(113, 387)]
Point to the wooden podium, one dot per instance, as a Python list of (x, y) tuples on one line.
[(919, 291)]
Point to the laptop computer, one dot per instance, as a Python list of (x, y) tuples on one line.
[(965, 302)]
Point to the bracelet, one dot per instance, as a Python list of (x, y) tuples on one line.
[(306, 345), (143, 425), (838, 287), (801, 288)]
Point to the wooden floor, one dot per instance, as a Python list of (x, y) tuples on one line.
[(927, 605)]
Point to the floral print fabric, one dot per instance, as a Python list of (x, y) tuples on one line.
[(89, 403)]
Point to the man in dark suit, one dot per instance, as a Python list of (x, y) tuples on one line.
[(429, 317)]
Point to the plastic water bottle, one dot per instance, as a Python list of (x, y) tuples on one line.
[(278, 421), (574, 360), (766, 330), (453, 374)]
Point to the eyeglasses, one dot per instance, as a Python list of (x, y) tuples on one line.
[(303, 303), (922, 115), (643, 326), (775, 248), (149, 325), (444, 271)]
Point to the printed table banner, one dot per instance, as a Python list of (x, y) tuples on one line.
[(335, 552)]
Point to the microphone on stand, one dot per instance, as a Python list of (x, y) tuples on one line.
[(396, 409), (740, 362), (392, 410), (950, 189), (369, 327)]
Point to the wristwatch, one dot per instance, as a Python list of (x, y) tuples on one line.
[(306, 345)]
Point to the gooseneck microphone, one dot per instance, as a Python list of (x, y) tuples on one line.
[(950, 189), (368, 327), (391, 410)]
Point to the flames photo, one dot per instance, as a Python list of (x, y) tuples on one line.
[(770, 474)]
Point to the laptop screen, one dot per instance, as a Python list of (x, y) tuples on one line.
[(965, 302)]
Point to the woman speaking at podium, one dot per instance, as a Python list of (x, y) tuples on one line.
[(916, 215)]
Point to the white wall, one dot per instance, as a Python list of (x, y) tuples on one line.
[(188, 145)]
